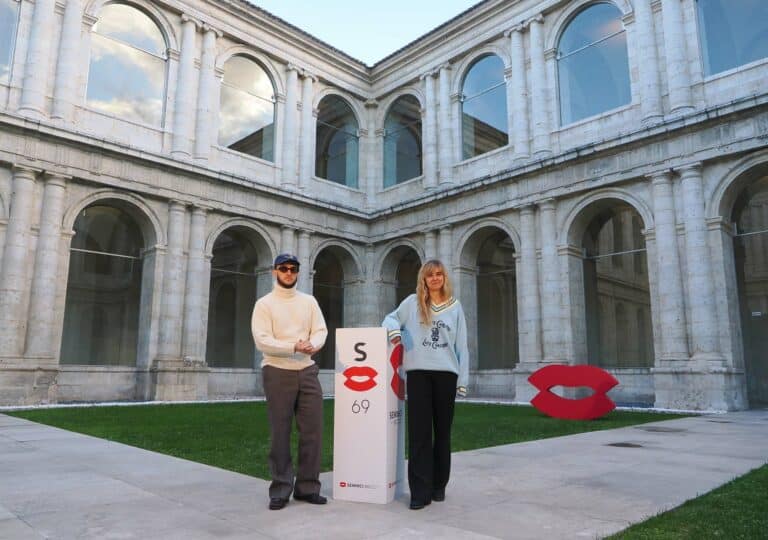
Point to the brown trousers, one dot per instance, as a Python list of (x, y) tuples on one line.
[(294, 393)]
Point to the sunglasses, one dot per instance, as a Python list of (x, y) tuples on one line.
[(286, 269)]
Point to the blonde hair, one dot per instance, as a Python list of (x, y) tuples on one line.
[(422, 292)]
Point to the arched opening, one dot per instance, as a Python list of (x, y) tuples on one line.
[(402, 141), (399, 273), (101, 315), (328, 289), (233, 292), (750, 215), (336, 156), (616, 288)]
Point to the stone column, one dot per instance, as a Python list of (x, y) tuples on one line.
[(701, 298), (68, 68), (289, 126), (529, 317), (671, 309), (169, 347), (307, 141), (13, 280), (539, 89), (43, 297), (517, 95), (678, 76), (287, 240), (430, 132), (648, 63), (445, 246), (183, 111), (197, 286), (38, 60), (445, 127), (551, 293), (373, 163), (205, 129), (305, 276), (430, 246)]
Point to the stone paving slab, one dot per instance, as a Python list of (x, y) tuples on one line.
[(61, 485)]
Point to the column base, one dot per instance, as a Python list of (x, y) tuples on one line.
[(699, 388), (24, 382), (525, 391), (174, 379)]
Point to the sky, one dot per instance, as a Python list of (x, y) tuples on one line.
[(368, 30)]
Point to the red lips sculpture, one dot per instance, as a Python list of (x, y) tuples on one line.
[(588, 408), (397, 383)]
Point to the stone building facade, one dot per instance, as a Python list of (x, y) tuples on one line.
[(594, 174)]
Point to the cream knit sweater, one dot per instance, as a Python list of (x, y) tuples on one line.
[(280, 319)]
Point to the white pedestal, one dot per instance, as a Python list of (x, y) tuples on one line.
[(369, 418)]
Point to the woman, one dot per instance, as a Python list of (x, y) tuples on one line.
[(433, 331)]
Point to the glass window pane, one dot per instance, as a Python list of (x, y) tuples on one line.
[(131, 26), (402, 141), (246, 75), (233, 292), (125, 81), (336, 156), (247, 123), (101, 316), (594, 79), (8, 17), (484, 108), (732, 33), (595, 23)]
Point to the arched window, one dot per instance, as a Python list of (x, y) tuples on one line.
[(101, 317), (336, 150), (592, 64), (9, 15), (402, 141), (232, 295), (484, 108), (128, 65), (732, 33), (247, 113), (328, 289)]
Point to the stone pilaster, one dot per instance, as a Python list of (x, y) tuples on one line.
[(206, 104), (197, 284), (305, 276), (517, 96), (551, 292), (430, 132), (445, 246), (68, 68), (289, 127), (678, 75), (446, 131), (372, 160), (169, 347), (648, 63), (184, 118), (14, 292), (430, 246), (529, 316), (307, 141), (287, 240), (43, 296), (539, 89), (701, 298), (38, 60), (671, 310)]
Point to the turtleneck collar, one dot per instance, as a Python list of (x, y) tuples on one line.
[(282, 292)]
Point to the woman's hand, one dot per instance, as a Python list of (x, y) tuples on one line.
[(461, 391)]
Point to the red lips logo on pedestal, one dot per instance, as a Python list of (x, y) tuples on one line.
[(397, 383), (588, 408), (365, 374)]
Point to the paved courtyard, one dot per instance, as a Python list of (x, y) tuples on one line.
[(61, 485)]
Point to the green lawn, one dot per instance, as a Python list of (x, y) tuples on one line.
[(235, 436), (737, 510)]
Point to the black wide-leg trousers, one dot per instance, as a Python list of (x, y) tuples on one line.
[(431, 398)]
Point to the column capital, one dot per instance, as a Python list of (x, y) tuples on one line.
[(445, 228), (444, 67), (292, 67), (516, 29), (509, 72), (538, 19), (175, 205), (56, 179), (547, 204), (309, 75), (371, 104), (89, 20), (189, 19), (25, 171), (689, 170), (284, 228), (200, 209), (660, 177), (526, 209), (207, 29), (173, 54)]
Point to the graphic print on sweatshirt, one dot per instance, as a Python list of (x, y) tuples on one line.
[(436, 339)]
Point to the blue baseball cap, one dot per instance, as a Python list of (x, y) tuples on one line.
[(286, 258)]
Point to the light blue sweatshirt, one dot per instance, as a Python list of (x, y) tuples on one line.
[(440, 346)]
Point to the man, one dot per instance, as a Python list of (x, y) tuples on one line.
[(288, 328)]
